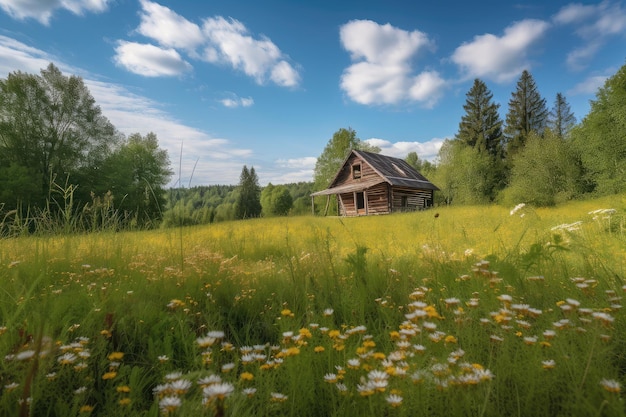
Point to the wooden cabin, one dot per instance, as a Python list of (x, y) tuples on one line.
[(370, 183)]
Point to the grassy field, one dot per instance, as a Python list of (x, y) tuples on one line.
[(467, 311)]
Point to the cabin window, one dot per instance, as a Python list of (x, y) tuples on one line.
[(356, 171), (360, 201), (405, 200)]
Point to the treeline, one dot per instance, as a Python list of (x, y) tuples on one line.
[(64, 167), (537, 155), (216, 203)]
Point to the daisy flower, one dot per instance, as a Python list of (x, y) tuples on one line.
[(394, 400)]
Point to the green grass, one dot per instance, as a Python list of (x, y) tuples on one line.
[(475, 312)]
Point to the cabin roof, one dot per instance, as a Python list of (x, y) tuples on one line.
[(394, 171)]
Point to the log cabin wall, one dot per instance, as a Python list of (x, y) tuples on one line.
[(378, 199), (408, 199)]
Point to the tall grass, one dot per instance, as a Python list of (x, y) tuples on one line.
[(475, 312)]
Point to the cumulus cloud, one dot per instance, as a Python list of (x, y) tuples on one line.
[(425, 150), (217, 40), (168, 28), (149, 60), (382, 72), (42, 11), (229, 42), (500, 58), (595, 25)]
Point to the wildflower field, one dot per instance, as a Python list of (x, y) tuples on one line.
[(478, 311)]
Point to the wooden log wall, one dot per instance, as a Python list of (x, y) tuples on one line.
[(415, 199)]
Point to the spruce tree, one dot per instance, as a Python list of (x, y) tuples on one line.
[(249, 199), (527, 113), (481, 130), (481, 126), (561, 119)]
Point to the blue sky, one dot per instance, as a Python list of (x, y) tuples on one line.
[(267, 83)]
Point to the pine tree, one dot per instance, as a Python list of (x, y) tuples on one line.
[(249, 200), (527, 113), (481, 126), (561, 119)]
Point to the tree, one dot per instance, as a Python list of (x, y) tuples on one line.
[(276, 200), (336, 150), (481, 126), (544, 172), (464, 174), (137, 173), (561, 120), (600, 140), (249, 199), (50, 123), (420, 165), (527, 113)]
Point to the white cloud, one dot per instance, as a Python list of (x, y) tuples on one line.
[(500, 59), (235, 101), (572, 13), (382, 72), (588, 86), (285, 171), (425, 150), (307, 162), (595, 24), (43, 10), (17, 55), (168, 28), (149, 60), (229, 42), (219, 41)]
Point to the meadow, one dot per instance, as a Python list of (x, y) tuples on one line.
[(453, 311)]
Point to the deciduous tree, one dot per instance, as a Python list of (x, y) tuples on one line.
[(600, 137), (51, 124), (336, 150), (276, 200), (544, 172), (137, 173)]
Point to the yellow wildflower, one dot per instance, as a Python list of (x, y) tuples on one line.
[(247, 376), (115, 356), (109, 375)]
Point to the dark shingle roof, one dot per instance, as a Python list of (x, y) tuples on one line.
[(394, 171)]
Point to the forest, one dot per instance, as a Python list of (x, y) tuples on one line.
[(65, 167)]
